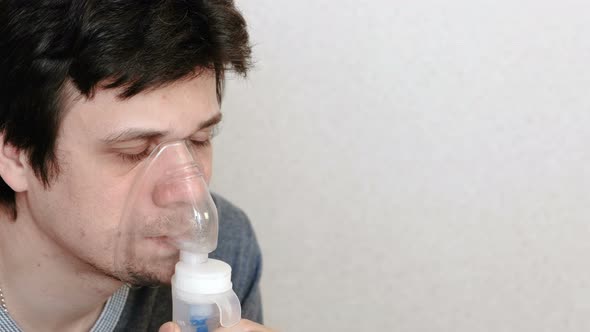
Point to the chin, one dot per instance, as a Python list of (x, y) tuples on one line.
[(149, 278), (157, 270)]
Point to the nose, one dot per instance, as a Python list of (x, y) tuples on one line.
[(172, 194), (180, 190)]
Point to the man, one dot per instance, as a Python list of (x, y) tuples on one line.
[(88, 89)]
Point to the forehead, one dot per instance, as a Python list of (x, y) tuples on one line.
[(177, 108)]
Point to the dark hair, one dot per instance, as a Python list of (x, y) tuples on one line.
[(134, 45)]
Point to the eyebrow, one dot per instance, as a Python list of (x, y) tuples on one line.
[(132, 134), (216, 119)]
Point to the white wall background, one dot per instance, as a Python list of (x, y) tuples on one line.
[(417, 165)]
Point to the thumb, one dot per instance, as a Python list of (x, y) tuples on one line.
[(169, 327)]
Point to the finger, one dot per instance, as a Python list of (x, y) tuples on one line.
[(169, 327)]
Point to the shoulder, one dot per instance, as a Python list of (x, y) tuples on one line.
[(236, 234), (231, 217)]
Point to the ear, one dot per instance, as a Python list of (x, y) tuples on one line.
[(13, 166)]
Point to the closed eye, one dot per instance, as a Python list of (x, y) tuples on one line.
[(135, 157), (201, 144)]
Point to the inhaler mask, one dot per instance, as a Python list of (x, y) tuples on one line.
[(169, 208), (170, 216)]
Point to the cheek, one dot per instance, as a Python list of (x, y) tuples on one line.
[(207, 172), (206, 161), (110, 200), (67, 220), (92, 204), (80, 210)]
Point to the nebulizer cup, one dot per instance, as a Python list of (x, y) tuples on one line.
[(170, 222)]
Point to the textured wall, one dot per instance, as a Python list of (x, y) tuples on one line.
[(417, 165)]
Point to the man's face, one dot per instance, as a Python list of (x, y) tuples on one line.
[(102, 144)]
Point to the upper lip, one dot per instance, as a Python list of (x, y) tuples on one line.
[(169, 235)]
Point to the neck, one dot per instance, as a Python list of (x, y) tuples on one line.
[(44, 286)]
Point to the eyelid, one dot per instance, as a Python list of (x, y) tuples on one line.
[(140, 146), (206, 133), (127, 148)]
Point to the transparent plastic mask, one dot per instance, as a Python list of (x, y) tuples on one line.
[(169, 208)]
